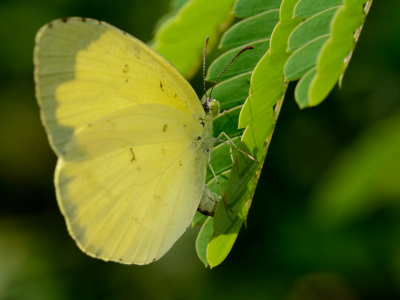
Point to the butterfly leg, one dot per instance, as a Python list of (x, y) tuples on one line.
[(218, 139), (230, 149), (217, 181)]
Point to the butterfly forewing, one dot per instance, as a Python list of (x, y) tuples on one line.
[(87, 69)]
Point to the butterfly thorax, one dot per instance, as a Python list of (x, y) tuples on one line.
[(212, 109)]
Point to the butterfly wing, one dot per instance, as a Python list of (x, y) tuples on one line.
[(124, 124), (85, 69), (127, 183)]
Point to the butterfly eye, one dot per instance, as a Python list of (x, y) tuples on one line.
[(214, 107)]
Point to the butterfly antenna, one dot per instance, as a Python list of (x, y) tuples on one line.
[(236, 56), (204, 66)]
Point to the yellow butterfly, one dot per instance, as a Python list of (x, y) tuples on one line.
[(131, 136)]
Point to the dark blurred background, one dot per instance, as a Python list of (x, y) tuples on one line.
[(325, 220)]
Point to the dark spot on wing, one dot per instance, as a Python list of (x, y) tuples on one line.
[(163, 151), (176, 95), (161, 86), (125, 69), (180, 163), (50, 25), (198, 138), (133, 155), (165, 128)]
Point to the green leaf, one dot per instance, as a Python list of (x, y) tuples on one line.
[(307, 8), (219, 247), (202, 240), (267, 78), (175, 6), (311, 29), (254, 137), (246, 8), (266, 88), (228, 122), (232, 92), (241, 184), (198, 219), (332, 59), (181, 40), (256, 28), (222, 178), (328, 50), (221, 160), (267, 85), (301, 91), (303, 59)]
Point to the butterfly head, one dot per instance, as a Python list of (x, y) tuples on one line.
[(211, 106)]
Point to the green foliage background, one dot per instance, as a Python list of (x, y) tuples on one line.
[(325, 218)]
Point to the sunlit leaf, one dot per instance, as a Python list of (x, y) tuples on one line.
[(219, 247), (324, 41), (266, 84), (311, 29), (181, 40), (203, 238), (304, 59)]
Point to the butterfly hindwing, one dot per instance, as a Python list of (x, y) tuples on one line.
[(128, 194)]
